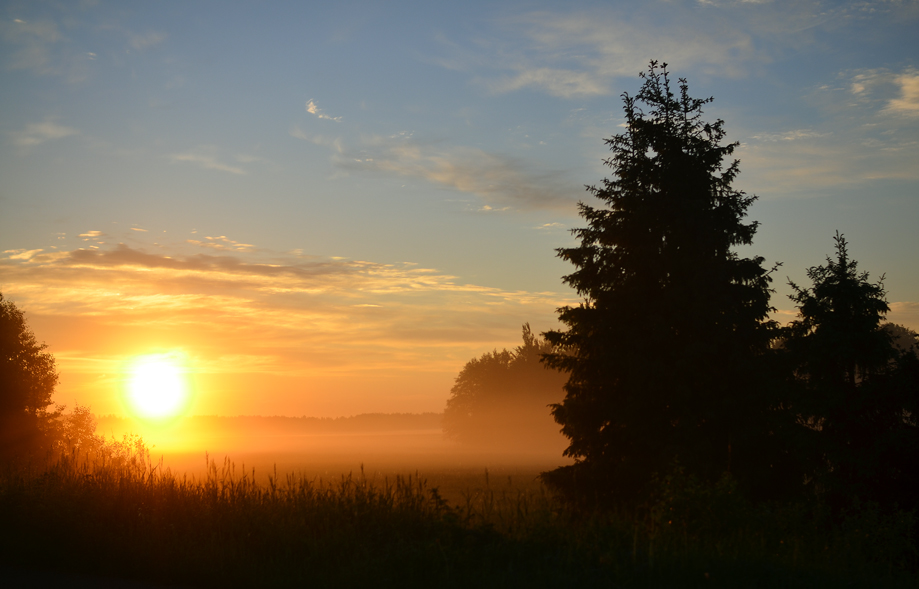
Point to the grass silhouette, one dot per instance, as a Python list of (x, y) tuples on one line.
[(121, 515)]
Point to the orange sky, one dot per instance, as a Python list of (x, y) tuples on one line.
[(264, 334)]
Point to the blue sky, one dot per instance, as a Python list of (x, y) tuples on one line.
[(349, 201)]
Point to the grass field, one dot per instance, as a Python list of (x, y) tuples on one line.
[(133, 518)]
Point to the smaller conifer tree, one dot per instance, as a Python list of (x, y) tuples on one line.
[(855, 390)]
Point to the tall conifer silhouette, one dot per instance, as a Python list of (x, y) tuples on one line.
[(662, 353)]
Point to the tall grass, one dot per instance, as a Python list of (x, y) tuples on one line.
[(121, 515)]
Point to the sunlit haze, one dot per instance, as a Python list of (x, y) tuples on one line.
[(330, 208)]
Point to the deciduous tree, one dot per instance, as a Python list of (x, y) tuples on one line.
[(502, 399), (28, 420)]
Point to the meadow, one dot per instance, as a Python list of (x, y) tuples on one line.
[(129, 516)]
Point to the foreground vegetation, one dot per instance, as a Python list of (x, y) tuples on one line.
[(120, 515)]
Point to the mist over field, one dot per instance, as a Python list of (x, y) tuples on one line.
[(384, 444)]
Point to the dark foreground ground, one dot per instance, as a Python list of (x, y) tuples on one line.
[(345, 513), (17, 578)]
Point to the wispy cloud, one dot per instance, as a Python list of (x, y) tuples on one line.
[(779, 168), (22, 254), (501, 182), (558, 82), (204, 157), (333, 142), (885, 91), (52, 41), (33, 43), (313, 109), (221, 243), (142, 41), (38, 45), (580, 54), (38, 133), (907, 103), (793, 135), (868, 131)]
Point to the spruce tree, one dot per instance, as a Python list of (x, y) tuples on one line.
[(663, 352), (856, 392)]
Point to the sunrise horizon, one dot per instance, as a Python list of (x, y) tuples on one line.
[(338, 227)]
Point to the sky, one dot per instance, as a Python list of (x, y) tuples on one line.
[(327, 209)]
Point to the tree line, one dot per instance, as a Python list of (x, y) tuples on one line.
[(671, 361)]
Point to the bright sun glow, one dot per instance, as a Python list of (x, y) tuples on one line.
[(157, 388)]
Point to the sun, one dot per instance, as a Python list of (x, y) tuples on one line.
[(157, 387)]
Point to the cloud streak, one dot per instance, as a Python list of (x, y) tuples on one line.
[(581, 53), (907, 103), (501, 182), (578, 55), (205, 160), (142, 41), (221, 243), (34, 43), (38, 133), (868, 132)]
